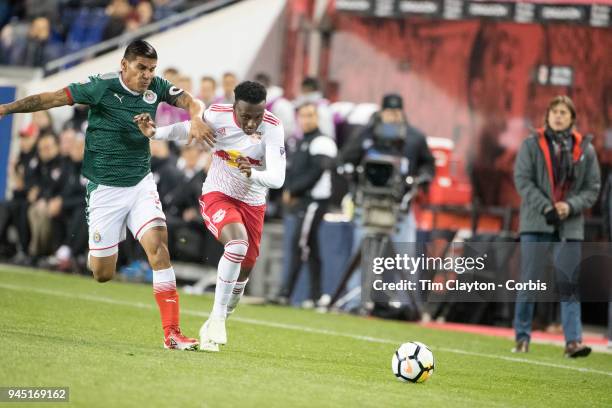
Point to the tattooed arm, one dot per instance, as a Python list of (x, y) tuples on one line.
[(38, 102), (199, 129)]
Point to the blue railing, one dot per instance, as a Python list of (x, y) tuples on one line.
[(124, 39)]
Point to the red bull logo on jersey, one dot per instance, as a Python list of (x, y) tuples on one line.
[(231, 158)]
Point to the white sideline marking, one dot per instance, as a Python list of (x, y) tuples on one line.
[(298, 328)]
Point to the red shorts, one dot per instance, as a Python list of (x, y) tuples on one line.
[(218, 209)]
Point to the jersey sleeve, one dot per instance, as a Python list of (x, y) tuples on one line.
[(178, 132), (276, 162), (210, 118), (88, 92), (169, 92)]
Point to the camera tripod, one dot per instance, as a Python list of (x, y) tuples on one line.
[(376, 242)]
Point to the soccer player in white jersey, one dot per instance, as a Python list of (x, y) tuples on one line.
[(248, 158)]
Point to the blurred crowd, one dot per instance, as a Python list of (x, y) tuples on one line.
[(36, 32)]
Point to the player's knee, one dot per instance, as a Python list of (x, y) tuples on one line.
[(236, 250), (103, 273), (234, 232), (101, 278), (103, 270)]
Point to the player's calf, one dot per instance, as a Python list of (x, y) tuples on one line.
[(227, 275), (155, 243)]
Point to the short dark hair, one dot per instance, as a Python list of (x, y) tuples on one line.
[(139, 48), (311, 83), (49, 134), (263, 79), (250, 92)]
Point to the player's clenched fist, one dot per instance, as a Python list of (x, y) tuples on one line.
[(145, 123), (244, 166)]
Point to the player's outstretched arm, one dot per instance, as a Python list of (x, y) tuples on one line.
[(34, 103), (199, 129)]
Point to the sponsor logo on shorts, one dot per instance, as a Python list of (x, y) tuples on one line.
[(149, 96), (218, 216), (97, 237)]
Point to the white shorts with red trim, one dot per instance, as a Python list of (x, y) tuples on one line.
[(111, 209)]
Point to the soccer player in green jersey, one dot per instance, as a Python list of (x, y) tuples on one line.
[(121, 191)]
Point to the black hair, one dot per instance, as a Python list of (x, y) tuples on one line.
[(263, 79), (250, 92), (50, 134), (310, 83), (139, 48)]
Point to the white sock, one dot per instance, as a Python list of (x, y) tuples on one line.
[(227, 274), (164, 280), (236, 295)]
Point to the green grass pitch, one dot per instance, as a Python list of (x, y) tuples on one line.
[(104, 342)]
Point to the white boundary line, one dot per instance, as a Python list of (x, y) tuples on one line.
[(306, 329)]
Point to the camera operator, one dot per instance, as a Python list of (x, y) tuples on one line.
[(389, 134), (389, 130)]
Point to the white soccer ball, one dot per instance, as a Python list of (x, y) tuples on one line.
[(413, 362)]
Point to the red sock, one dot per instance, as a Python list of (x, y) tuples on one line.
[(167, 300)]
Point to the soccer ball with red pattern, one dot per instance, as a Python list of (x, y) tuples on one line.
[(413, 362)]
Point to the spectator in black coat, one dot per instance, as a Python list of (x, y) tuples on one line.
[(188, 240), (15, 210), (49, 180), (69, 206)]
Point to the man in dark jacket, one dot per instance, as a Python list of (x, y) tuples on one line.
[(49, 182), (187, 239), (307, 192), (557, 176), (15, 211), (69, 206)]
